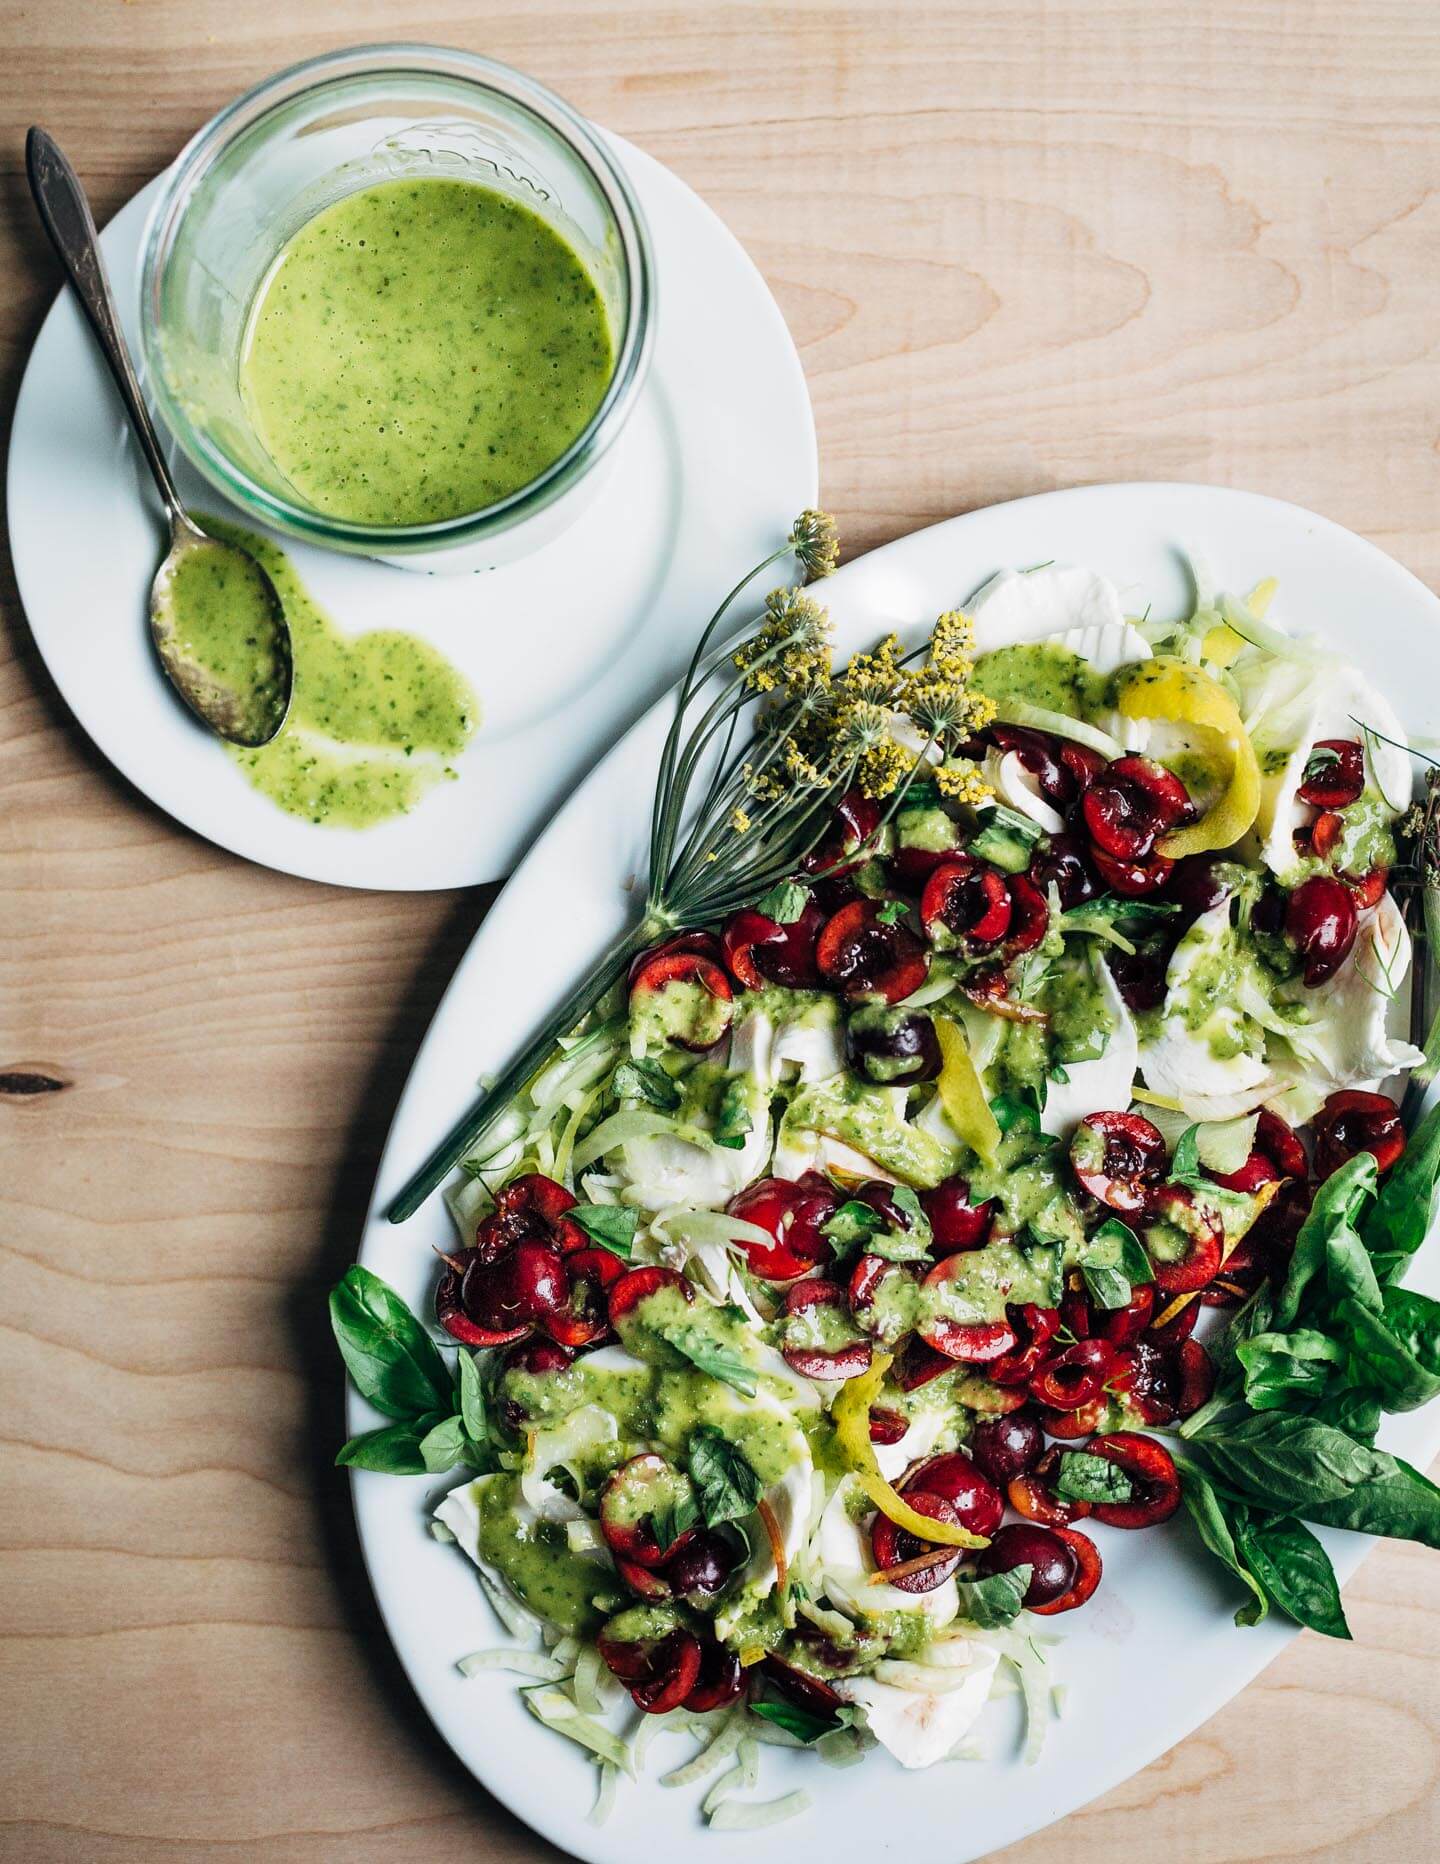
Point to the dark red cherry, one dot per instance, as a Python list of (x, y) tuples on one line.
[(1322, 921), (956, 1224), (1065, 865), (1334, 774), (1130, 805), (1355, 1121), (522, 1286), (1053, 1564), (1006, 1447), (864, 955)]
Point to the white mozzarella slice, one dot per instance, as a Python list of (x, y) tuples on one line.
[(800, 1150), (1020, 790), (792, 1501), (1104, 1083), (557, 1448), (460, 1512), (920, 1726), (1107, 645), (752, 1048), (1349, 1043), (813, 1044), (1029, 605), (1178, 1061), (665, 1169), (919, 1440), (841, 1551)]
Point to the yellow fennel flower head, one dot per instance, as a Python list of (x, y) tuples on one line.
[(883, 768), (763, 785), (961, 781), (860, 727), (939, 707), (804, 772), (793, 642), (952, 638), (739, 821), (816, 544)]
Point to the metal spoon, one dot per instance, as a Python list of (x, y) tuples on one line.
[(247, 708)]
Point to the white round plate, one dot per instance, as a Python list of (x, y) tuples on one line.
[(1156, 1653), (564, 648)]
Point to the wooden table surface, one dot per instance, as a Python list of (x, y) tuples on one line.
[(1020, 246)]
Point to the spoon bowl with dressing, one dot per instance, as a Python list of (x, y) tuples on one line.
[(216, 618)]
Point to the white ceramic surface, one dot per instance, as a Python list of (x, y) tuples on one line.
[(1156, 1652), (564, 648)]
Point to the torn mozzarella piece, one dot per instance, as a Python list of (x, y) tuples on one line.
[(1107, 645), (665, 1169), (793, 1501), (919, 1441), (1348, 1041), (809, 1046), (1106, 1082), (842, 1555), (1179, 1061), (1029, 605), (921, 1719), (460, 1512), (557, 1448)]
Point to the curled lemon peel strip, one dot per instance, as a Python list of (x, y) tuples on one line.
[(851, 1415), (1165, 688), (962, 1093)]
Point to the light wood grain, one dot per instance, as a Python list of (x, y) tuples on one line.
[(1020, 246)]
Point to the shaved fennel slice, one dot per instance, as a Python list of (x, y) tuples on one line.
[(751, 1816), (710, 1756), (1041, 718), (532, 1663), (563, 1715), (604, 1794)]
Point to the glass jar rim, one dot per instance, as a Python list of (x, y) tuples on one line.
[(403, 59)]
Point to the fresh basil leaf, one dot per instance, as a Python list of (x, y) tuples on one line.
[(727, 1485), (1295, 1571), (392, 1359), (733, 1124), (443, 1446), (898, 1246), (612, 1226), (1319, 761), (1059, 1074), (995, 1600), (1087, 1478), (1010, 1112), (784, 903), (907, 1202), (1409, 1200), (1357, 1413), (1185, 1160), (1213, 1523), (852, 1223), (645, 1080), (1284, 1371), (1398, 1503), (1287, 1462), (1046, 1261), (675, 1519), (1397, 1349), (802, 1723), (472, 1399), (1325, 1239), (1114, 1264), (891, 912), (393, 1451), (713, 1359)]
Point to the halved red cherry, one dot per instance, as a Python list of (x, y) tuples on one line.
[(1325, 833), (688, 996), (1355, 1121), (450, 1312), (1064, 865), (887, 1427), (917, 1364), (1321, 921), (818, 1337), (863, 955), (1197, 885), (1150, 1467), (628, 1296), (524, 1285), (966, 904), (530, 1208), (1083, 764), (532, 1358), (882, 1299), (1054, 1566), (1081, 1422), (1122, 1326), (856, 823), (1256, 1170), (1130, 805), (1145, 1376), (1180, 1326), (1074, 1377), (1118, 1158), (1185, 1240), (636, 1497), (1132, 879), (659, 1672), (721, 1680), (1195, 1372), (586, 1316), (705, 944), (701, 1566), (1044, 758), (989, 990), (1034, 1328), (761, 951), (1369, 889), (1334, 774), (803, 1689), (955, 1223), (1075, 1315), (977, 1502), (975, 1342), (1140, 975), (1029, 916), (1033, 1495), (651, 1586), (794, 1212), (898, 1547), (1087, 1573), (1005, 1447)]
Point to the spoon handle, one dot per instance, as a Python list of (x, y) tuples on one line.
[(71, 226)]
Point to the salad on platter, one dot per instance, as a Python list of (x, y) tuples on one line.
[(979, 1149)]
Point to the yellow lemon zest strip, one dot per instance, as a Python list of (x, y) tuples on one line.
[(851, 1415), (1166, 688), (962, 1094)]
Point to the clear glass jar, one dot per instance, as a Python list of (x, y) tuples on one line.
[(304, 139)]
